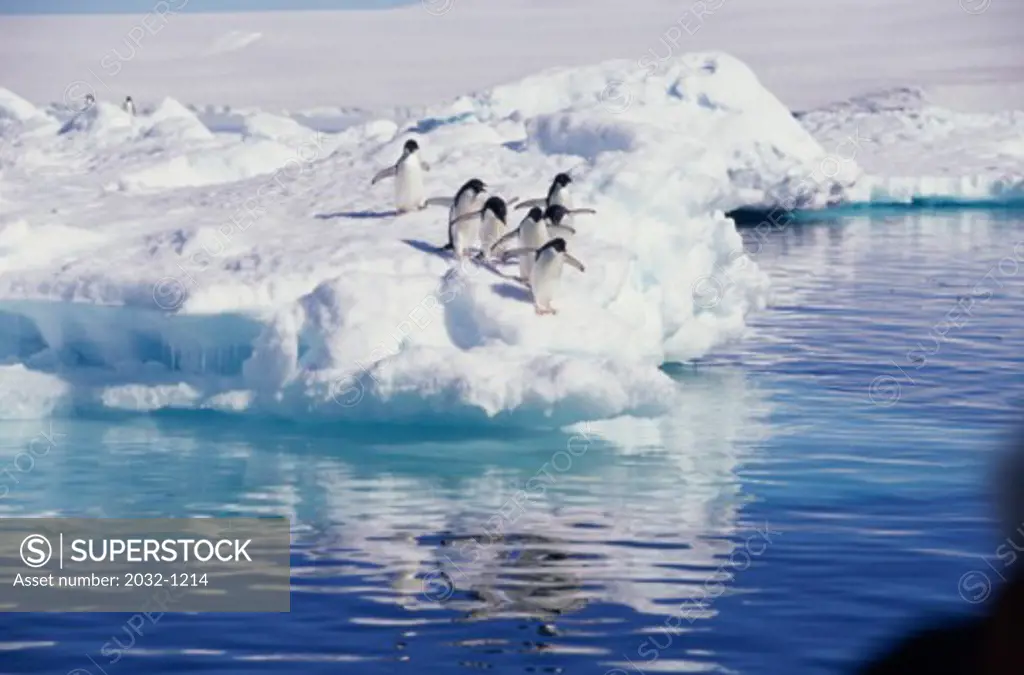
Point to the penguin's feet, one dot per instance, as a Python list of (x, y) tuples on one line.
[(544, 310)]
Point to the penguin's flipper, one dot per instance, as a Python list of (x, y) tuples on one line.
[(440, 201), (530, 203), (504, 239), (591, 211), (512, 201), (519, 251), (574, 262), (467, 216), (555, 231), (389, 172)]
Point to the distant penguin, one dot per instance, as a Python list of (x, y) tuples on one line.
[(129, 106), (462, 231), (408, 175), (90, 101), (535, 230), (547, 273)]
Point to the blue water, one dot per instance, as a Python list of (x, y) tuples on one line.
[(821, 490)]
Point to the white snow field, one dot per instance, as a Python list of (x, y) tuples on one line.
[(237, 259)]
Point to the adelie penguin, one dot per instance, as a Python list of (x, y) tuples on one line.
[(535, 230), (493, 222), (461, 231), (547, 273), (408, 175), (129, 105), (558, 195)]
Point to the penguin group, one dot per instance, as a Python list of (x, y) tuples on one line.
[(128, 105), (478, 224)]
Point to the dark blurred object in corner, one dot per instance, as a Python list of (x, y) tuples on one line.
[(992, 644)]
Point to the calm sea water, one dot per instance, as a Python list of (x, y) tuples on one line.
[(821, 490)]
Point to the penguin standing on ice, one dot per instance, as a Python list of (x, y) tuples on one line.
[(547, 273), (535, 230), (129, 105), (462, 231), (558, 193), (493, 222), (90, 101), (408, 175)]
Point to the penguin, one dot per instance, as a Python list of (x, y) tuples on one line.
[(129, 106), (535, 230), (408, 175), (90, 101), (493, 222), (558, 193), (461, 231), (547, 272)]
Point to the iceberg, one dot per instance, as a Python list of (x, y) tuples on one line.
[(254, 270)]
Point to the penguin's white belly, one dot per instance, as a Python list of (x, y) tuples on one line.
[(562, 198), (409, 194), (526, 265), (463, 206), (464, 234), (530, 237), (491, 230), (545, 277)]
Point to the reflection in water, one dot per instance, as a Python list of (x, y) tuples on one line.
[(632, 512), (641, 524)]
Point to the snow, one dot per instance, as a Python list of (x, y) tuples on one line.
[(235, 259)]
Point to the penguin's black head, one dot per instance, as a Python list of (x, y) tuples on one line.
[(535, 214), (128, 98), (557, 244), (555, 213), (498, 207), (476, 185), (562, 179), (411, 146)]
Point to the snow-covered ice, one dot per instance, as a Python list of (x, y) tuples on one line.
[(237, 259)]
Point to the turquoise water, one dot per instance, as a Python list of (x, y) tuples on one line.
[(820, 491)]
